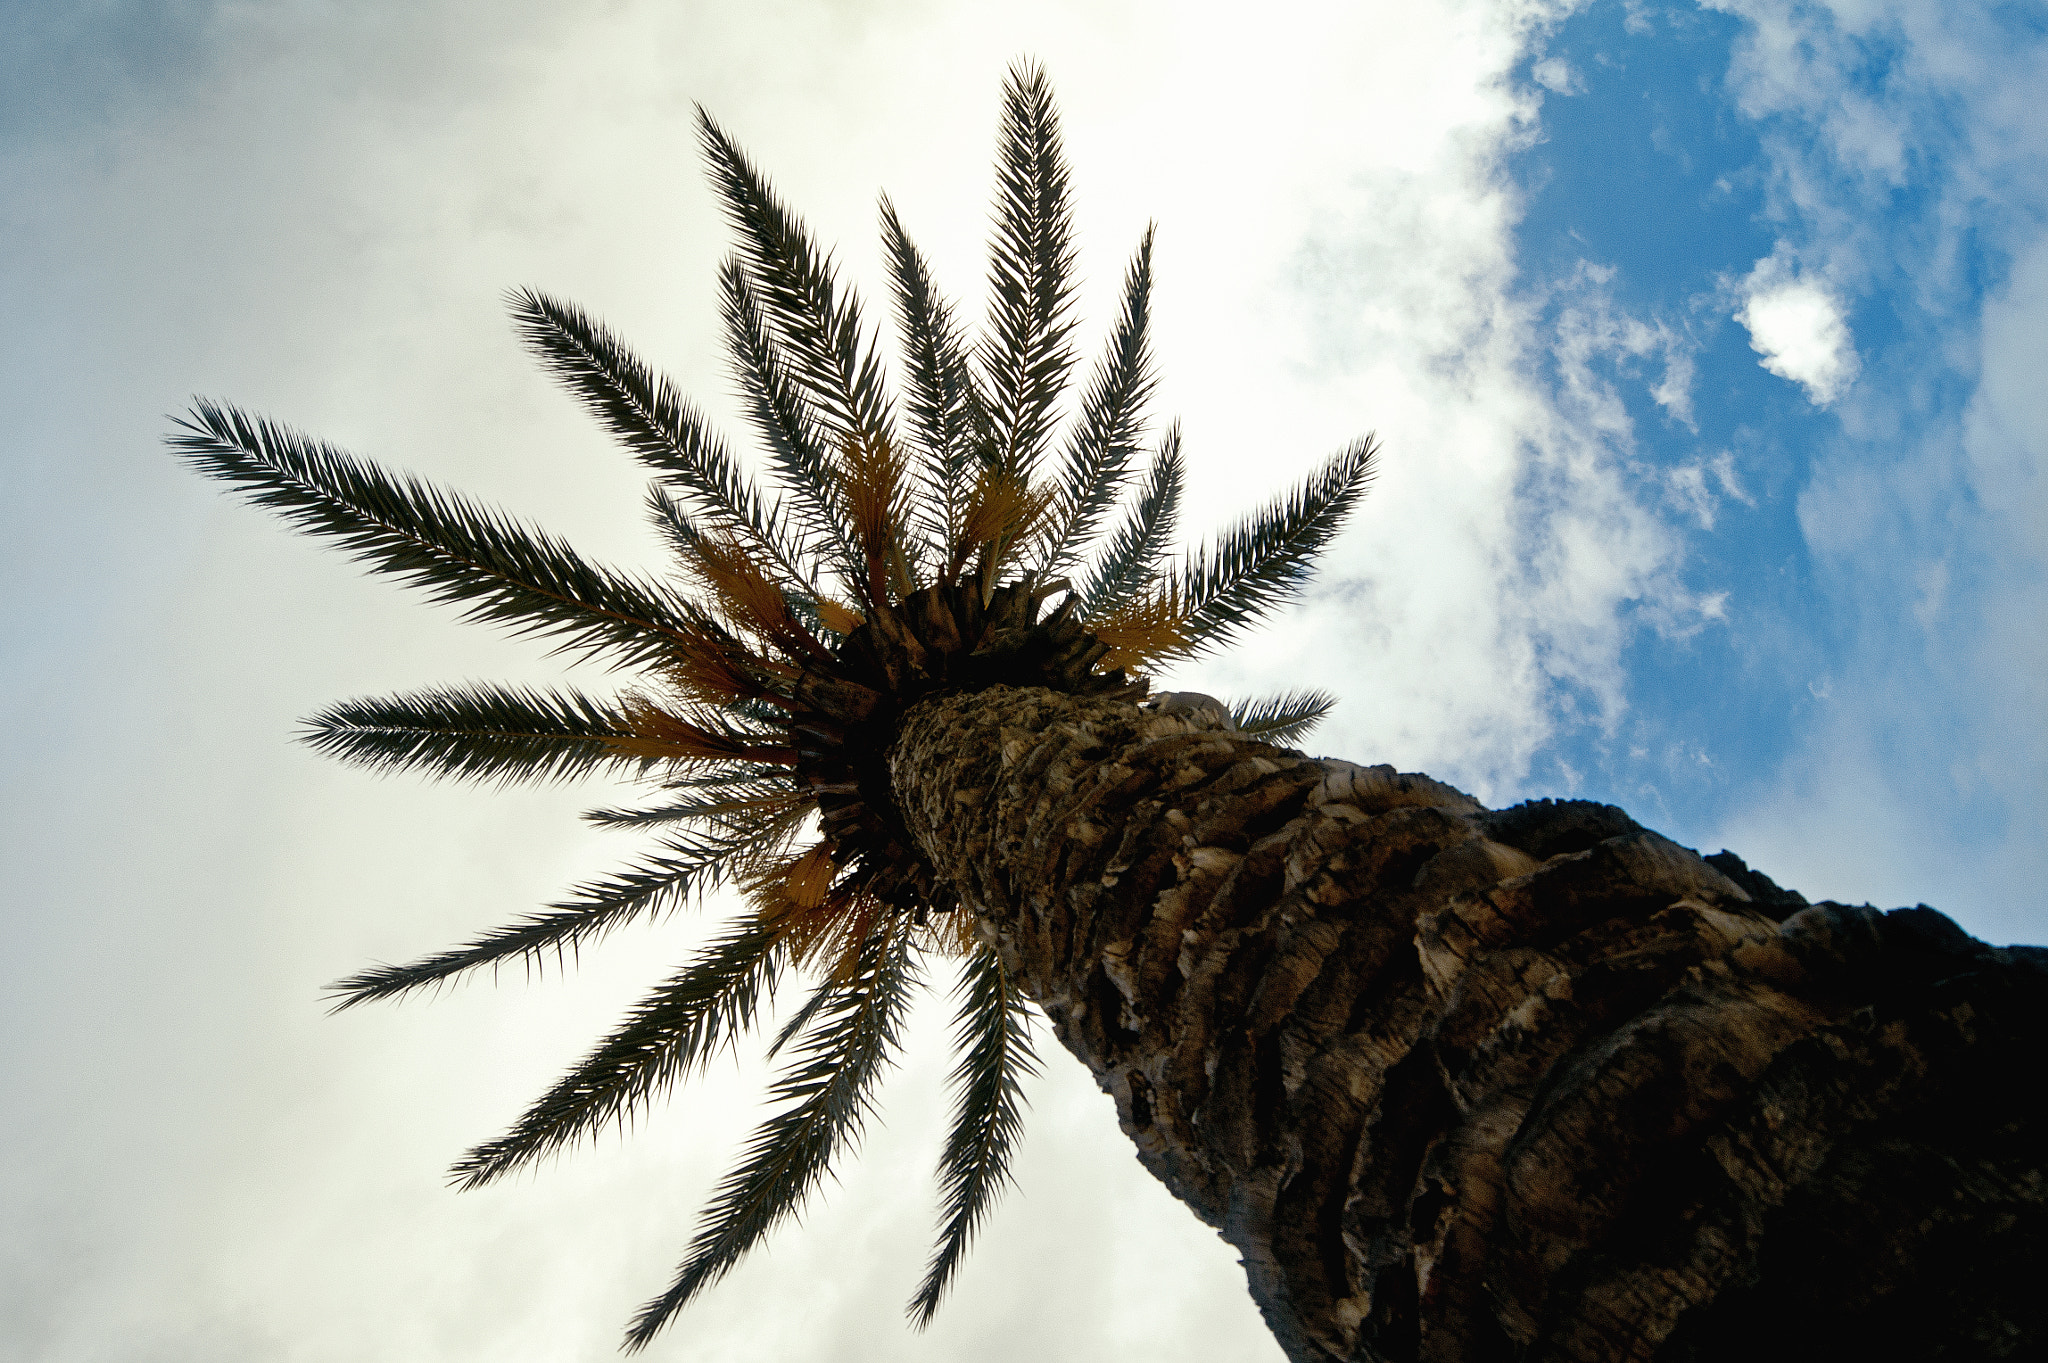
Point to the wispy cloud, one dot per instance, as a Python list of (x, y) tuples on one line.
[(1906, 165)]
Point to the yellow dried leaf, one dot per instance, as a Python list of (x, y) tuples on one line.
[(837, 618), (873, 480), (748, 598), (657, 734), (1003, 511), (1143, 629)]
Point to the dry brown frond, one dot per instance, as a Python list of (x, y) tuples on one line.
[(839, 619), (860, 915), (1144, 629), (789, 896), (658, 734), (949, 934), (792, 886), (813, 919), (1003, 511), (877, 496), (708, 667), (748, 598)]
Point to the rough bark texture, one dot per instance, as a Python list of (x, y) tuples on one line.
[(1525, 1084)]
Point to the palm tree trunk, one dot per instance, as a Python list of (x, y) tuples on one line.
[(1534, 1083)]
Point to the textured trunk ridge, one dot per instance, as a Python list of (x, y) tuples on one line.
[(1535, 1083)]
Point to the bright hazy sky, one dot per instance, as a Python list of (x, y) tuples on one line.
[(1703, 343)]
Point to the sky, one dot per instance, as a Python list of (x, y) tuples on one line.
[(1702, 343)]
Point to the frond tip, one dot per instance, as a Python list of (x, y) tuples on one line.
[(669, 1034), (992, 1030), (1282, 718), (497, 569), (476, 733), (828, 1091), (1264, 560)]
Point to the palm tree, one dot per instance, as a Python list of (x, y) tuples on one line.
[(1456, 1083)]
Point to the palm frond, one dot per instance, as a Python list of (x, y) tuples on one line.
[(944, 406), (877, 505), (827, 1089), (1098, 456), (798, 899), (713, 666), (500, 570), (699, 733), (752, 602), (830, 357), (672, 522), (732, 795), (837, 617), (686, 541), (772, 774), (475, 733), (1283, 718), (654, 421), (1024, 355), (1264, 560), (671, 1032), (1004, 513), (693, 864), (1131, 559), (992, 1031), (1145, 630), (783, 416), (822, 997)]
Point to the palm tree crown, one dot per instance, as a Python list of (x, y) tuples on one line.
[(909, 547)]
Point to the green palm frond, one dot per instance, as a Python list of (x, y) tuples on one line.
[(653, 421), (670, 1033), (730, 795), (691, 865), (682, 535), (1025, 356), (944, 406), (992, 1031), (829, 355), (789, 428), (827, 1087), (1283, 718), (476, 733), (729, 775), (1129, 563), (501, 571), (823, 996), (1098, 456), (1264, 561)]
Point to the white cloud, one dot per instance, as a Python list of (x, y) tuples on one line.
[(1508, 551), (1556, 75), (1797, 326), (1688, 485), (1696, 489), (1673, 391), (1592, 330), (1723, 466)]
